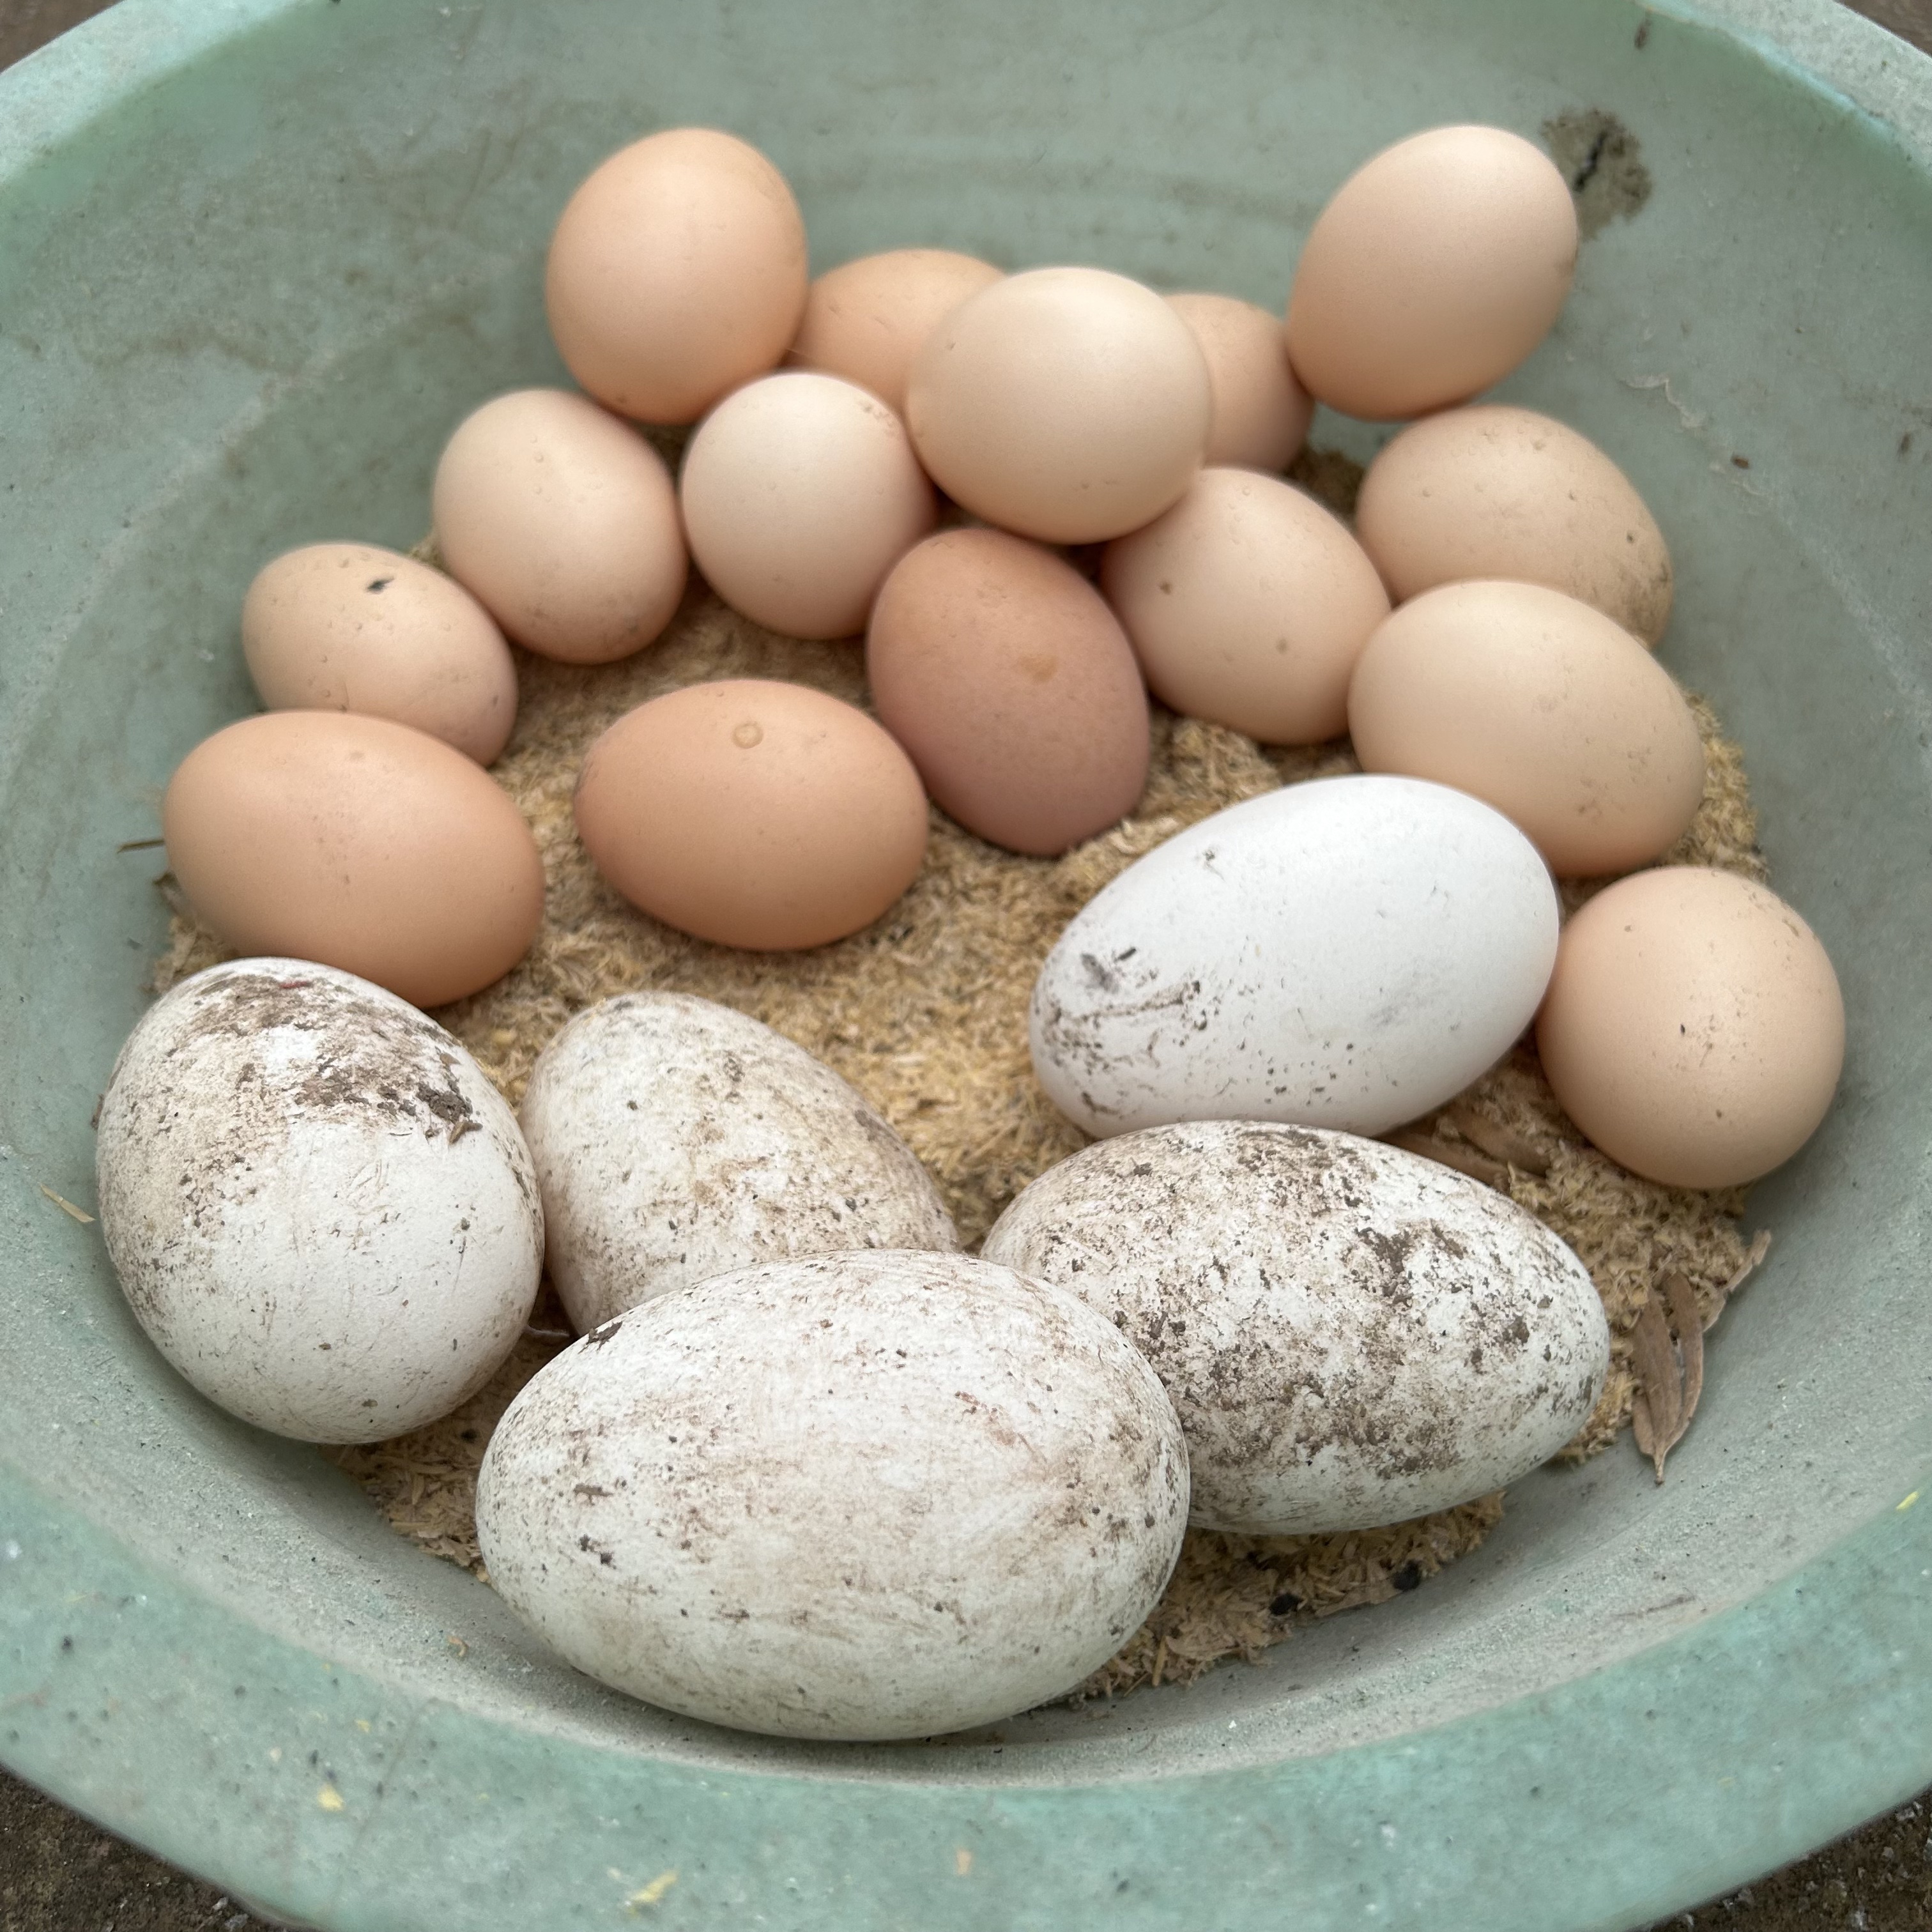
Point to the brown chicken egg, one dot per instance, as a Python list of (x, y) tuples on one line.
[(1261, 411), (1541, 706), (753, 814), (999, 668), (1067, 404), (1437, 267), (1694, 1027), (348, 627), (800, 491), (1248, 605), (358, 843), (677, 272), (1498, 492), (866, 320), (562, 521)]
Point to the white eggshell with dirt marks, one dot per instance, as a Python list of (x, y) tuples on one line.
[(1349, 953), (320, 1209), (1351, 1335), (675, 1139), (863, 1496)]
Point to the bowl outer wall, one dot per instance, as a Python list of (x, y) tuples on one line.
[(159, 1665)]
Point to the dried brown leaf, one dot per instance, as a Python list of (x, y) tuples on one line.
[(1682, 1301), (1478, 1167), (1659, 1381), (1502, 1143)]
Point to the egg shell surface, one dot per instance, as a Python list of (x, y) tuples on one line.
[(753, 814), (1541, 706), (675, 1139), (563, 522), (1349, 952), (1248, 605), (866, 320), (1437, 267), (1694, 1029), (1002, 671), (321, 1211), (677, 271), (865, 1496), (800, 492), (1494, 491), (1261, 411), (363, 845), (1068, 404), (349, 627), (1350, 1334)]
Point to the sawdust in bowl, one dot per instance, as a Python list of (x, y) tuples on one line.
[(925, 1013)]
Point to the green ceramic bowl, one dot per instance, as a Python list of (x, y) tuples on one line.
[(257, 256)]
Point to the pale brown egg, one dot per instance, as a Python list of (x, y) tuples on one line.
[(1261, 411), (999, 668), (753, 814), (1541, 706), (348, 627), (563, 522), (357, 843), (1067, 404), (866, 320), (800, 491), (1248, 605), (1437, 266), (1694, 1027), (677, 272), (1496, 491)]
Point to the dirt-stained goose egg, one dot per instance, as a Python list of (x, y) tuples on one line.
[(1068, 404), (867, 1496), (562, 521), (1261, 411), (866, 320), (677, 272), (1248, 605), (359, 843), (1001, 669), (320, 1209), (752, 813), (1351, 1335), (675, 1139), (1349, 952), (1542, 706), (800, 492), (348, 627), (1437, 267), (1693, 1029), (1499, 492)]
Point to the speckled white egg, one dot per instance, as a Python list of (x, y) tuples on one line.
[(320, 1210), (865, 1496), (1351, 1335), (675, 1138), (1347, 953)]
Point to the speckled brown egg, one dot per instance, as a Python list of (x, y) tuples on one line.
[(677, 272), (1694, 1027), (357, 843), (866, 320), (348, 627), (1497, 491), (753, 814), (1436, 269), (562, 521), (1541, 706), (1261, 411), (1002, 671)]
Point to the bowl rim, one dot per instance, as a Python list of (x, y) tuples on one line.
[(1443, 1824)]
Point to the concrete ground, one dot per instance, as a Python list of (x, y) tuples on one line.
[(58, 1873)]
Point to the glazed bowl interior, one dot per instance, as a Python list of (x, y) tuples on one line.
[(257, 258)]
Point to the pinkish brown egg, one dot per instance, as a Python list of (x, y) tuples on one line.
[(1001, 670), (677, 272), (1261, 411), (866, 320)]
